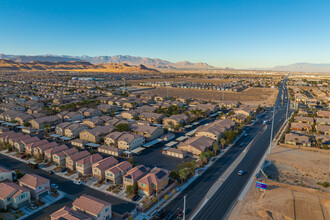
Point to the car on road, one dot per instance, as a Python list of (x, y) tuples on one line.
[(51, 172), (180, 214), (54, 186), (241, 145), (63, 170), (245, 135), (23, 156), (78, 182), (33, 206), (241, 172), (135, 198)]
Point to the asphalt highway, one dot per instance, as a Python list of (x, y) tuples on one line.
[(219, 205), (226, 195)]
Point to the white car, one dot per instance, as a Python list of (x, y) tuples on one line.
[(54, 186), (77, 182), (241, 172)]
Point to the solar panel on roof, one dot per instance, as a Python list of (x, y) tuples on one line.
[(160, 174), (143, 169)]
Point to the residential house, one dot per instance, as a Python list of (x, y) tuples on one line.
[(115, 173), (175, 120), (302, 119), (5, 174), (111, 139), (60, 158), (91, 112), (73, 130), (154, 182), (67, 213), (323, 114), (323, 121), (40, 150), (38, 185), (73, 116), (51, 151), (114, 151), (93, 207), (196, 145), (297, 139), (70, 161), (59, 129), (13, 195), (149, 132), (29, 148), (93, 122), (96, 134), (154, 118), (133, 175), (323, 129), (79, 143), (20, 145), (39, 123), (300, 127), (101, 166), (129, 141), (84, 166), (173, 152)]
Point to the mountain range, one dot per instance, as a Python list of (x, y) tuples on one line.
[(159, 64), (82, 66), (131, 60)]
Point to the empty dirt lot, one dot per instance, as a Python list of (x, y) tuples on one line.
[(296, 194), (252, 96)]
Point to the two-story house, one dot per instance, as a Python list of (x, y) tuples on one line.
[(37, 185), (115, 173), (96, 208)]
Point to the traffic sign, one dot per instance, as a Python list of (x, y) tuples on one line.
[(261, 185)]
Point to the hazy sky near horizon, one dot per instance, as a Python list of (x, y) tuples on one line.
[(224, 33)]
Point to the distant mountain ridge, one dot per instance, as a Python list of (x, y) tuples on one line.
[(304, 67), (84, 66), (132, 60)]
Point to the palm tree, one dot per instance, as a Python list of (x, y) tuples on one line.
[(183, 174), (215, 147)]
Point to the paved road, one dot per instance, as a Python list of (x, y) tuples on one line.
[(196, 192), (67, 186), (221, 202)]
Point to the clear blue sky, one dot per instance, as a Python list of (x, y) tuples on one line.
[(234, 33)]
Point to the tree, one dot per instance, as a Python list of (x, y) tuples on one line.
[(131, 160), (174, 174), (183, 173), (136, 117), (27, 124), (131, 189), (122, 127), (202, 157), (215, 147)]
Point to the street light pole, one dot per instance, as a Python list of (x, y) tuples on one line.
[(271, 131), (184, 207)]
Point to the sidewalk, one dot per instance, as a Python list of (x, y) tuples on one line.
[(48, 200), (162, 203), (72, 177)]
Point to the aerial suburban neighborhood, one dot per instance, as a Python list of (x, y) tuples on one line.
[(164, 110)]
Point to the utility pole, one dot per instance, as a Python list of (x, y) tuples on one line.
[(184, 207), (295, 95), (287, 109), (271, 131)]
